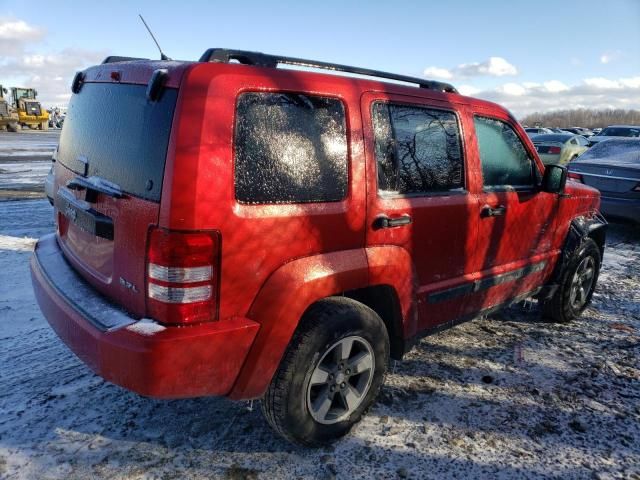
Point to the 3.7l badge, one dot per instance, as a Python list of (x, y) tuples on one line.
[(128, 285)]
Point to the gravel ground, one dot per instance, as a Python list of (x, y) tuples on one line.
[(503, 397)]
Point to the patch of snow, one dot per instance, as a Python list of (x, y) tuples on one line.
[(16, 244), (146, 326)]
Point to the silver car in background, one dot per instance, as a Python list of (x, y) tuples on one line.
[(560, 148), (613, 167)]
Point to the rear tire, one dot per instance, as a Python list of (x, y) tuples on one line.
[(577, 284), (330, 374), (12, 127)]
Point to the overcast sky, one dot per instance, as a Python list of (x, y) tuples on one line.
[(527, 55)]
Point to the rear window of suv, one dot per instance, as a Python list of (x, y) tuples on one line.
[(290, 148), (122, 136)]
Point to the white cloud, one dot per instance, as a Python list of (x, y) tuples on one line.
[(633, 82), (18, 30), (492, 67), (555, 86), (512, 89), (597, 93), (468, 90), (607, 84), (608, 57), (14, 34), (435, 72), (49, 73)]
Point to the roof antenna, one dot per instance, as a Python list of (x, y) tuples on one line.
[(162, 55)]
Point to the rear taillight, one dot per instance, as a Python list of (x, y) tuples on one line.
[(575, 176), (182, 276), (554, 150)]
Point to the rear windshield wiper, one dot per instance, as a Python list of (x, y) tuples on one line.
[(93, 186)]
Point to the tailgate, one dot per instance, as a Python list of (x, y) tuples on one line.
[(109, 171)]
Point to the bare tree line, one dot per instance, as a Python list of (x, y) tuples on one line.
[(583, 117)]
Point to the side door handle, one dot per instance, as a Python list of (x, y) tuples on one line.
[(488, 211), (387, 222)]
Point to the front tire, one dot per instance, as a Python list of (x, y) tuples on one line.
[(330, 374), (577, 284)]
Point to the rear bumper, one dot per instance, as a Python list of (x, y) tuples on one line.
[(628, 209), (171, 362)]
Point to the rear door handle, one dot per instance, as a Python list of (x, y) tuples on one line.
[(387, 222), (488, 211)]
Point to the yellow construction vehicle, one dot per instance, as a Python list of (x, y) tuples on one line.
[(8, 117), (30, 112)]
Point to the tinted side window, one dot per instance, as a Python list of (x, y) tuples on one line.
[(290, 148), (417, 149), (503, 156)]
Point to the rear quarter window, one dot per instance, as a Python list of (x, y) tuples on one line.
[(290, 148)]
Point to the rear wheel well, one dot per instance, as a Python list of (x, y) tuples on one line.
[(383, 300)]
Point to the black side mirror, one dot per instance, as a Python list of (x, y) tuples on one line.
[(554, 179)]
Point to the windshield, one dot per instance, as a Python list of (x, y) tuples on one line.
[(24, 93), (620, 132)]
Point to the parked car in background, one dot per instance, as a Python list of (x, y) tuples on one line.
[(531, 131), (556, 130), (613, 167), (585, 132), (559, 148), (616, 131), (596, 131), (49, 181)]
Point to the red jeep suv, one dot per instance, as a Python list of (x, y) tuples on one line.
[(228, 227)]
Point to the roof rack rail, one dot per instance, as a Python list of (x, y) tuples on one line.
[(259, 59), (116, 59)]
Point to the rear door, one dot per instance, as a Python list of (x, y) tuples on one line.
[(418, 197), (109, 173)]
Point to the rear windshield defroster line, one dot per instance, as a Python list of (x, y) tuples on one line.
[(120, 134)]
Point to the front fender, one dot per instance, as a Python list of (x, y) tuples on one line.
[(282, 301), (592, 226)]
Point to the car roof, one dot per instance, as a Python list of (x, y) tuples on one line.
[(553, 136), (140, 70)]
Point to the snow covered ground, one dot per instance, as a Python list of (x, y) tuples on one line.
[(28, 143), (504, 397), (25, 160)]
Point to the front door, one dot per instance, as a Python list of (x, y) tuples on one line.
[(516, 219)]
